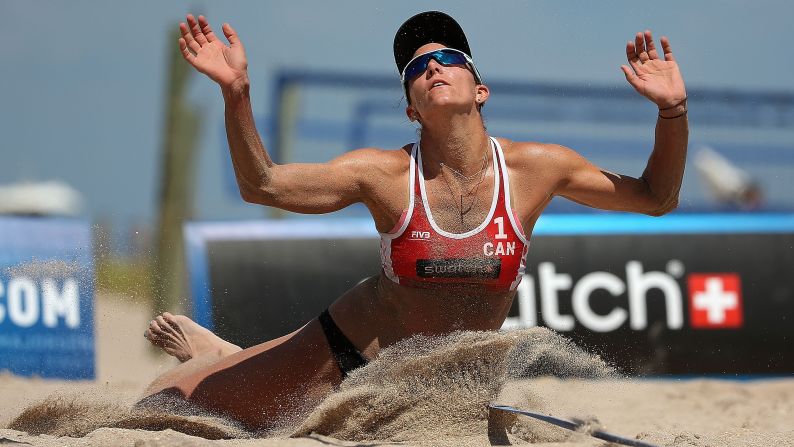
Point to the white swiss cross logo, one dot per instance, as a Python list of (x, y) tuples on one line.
[(715, 300)]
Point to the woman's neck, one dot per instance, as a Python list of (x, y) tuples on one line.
[(460, 143)]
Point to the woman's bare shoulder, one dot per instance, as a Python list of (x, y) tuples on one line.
[(375, 164), (381, 154), (520, 153), (383, 157)]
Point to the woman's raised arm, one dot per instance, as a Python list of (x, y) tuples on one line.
[(656, 191), (305, 188)]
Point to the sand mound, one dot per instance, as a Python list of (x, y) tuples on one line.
[(427, 388), (78, 415), (421, 389)]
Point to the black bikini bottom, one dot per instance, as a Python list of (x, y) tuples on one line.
[(347, 356)]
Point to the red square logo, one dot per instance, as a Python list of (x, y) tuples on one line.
[(715, 300)]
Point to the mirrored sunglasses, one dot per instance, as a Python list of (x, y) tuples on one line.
[(444, 56)]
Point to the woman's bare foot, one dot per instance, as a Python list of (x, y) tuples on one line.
[(185, 339)]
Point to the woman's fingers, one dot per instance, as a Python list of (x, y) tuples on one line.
[(206, 29), (190, 42), (650, 46), (631, 55), (643, 49), (231, 35), (185, 52), (195, 29), (668, 51), (632, 77), (639, 45)]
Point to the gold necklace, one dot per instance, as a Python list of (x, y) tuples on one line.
[(472, 190), (464, 176)]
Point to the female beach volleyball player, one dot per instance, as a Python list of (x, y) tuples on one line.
[(455, 212)]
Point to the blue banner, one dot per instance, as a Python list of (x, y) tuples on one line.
[(46, 298)]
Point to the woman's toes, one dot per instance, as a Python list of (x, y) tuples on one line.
[(176, 320), (163, 325), (154, 327), (158, 330), (153, 336), (171, 323)]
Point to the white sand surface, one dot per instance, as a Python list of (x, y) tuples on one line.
[(664, 412)]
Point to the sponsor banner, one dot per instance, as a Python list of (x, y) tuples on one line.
[(666, 303), (680, 294), (46, 298)]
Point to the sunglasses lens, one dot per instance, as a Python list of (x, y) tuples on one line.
[(416, 67), (444, 57), (449, 58)]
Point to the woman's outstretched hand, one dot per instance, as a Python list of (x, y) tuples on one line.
[(224, 64), (657, 79)]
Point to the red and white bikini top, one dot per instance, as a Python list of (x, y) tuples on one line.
[(417, 253)]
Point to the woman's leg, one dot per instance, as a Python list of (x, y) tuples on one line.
[(260, 384)]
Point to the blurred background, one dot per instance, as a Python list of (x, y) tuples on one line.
[(103, 121)]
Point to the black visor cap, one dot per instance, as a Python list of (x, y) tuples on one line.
[(427, 27)]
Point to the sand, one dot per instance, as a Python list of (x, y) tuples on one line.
[(421, 392)]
